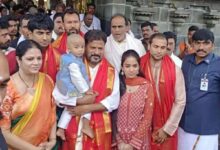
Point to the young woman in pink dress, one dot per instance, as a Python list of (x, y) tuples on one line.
[(135, 111)]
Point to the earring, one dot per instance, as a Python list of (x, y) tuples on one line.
[(122, 73)]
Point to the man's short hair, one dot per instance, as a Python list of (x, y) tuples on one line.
[(25, 17), (11, 18), (93, 35), (60, 5), (170, 35), (57, 15), (70, 11), (91, 4), (3, 23), (156, 36), (153, 24), (203, 35), (146, 24), (119, 15), (40, 21), (193, 28)]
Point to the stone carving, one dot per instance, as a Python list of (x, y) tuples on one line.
[(143, 13), (178, 17), (211, 18)]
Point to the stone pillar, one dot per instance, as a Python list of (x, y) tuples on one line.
[(211, 19), (105, 9), (178, 18)]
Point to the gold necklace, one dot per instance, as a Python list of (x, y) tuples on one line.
[(25, 82)]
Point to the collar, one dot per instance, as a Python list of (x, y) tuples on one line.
[(206, 60)]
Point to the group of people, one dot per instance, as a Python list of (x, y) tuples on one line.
[(90, 91)]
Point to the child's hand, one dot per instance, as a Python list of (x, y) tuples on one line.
[(90, 92)]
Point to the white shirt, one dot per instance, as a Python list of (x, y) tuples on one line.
[(78, 81), (54, 35), (111, 102), (95, 22), (85, 28), (114, 49), (176, 60)]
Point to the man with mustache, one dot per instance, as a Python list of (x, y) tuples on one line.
[(104, 80), (71, 22), (4, 78), (200, 123), (24, 34), (58, 26), (5, 38), (171, 45), (147, 31), (120, 41), (169, 91)]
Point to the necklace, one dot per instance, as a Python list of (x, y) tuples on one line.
[(25, 82)]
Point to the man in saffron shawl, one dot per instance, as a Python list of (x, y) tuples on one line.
[(104, 80), (71, 24), (169, 90), (41, 27)]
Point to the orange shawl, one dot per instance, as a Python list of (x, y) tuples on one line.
[(162, 107), (60, 44), (37, 129), (100, 121)]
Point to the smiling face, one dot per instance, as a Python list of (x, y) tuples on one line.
[(31, 61), (95, 52), (130, 67)]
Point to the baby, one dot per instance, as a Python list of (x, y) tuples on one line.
[(72, 81)]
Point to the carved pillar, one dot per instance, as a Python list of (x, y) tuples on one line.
[(211, 19), (178, 17), (143, 13)]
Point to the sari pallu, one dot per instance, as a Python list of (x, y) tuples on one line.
[(32, 116), (162, 106), (100, 121)]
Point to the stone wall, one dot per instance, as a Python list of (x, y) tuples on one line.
[(172, 15)]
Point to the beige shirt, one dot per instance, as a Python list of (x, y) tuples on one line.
[(172, 123)]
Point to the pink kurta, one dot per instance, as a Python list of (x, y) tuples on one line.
[(135, 117)]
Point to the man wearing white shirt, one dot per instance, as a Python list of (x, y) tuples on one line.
[(120, 41), (171, 44), (96, 21), (86, 24), (103, 80)]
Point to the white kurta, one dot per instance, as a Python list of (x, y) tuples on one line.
[(187, 141), (81, 85), (176, 60), (114, 49), (84, 29), (95, 22)]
